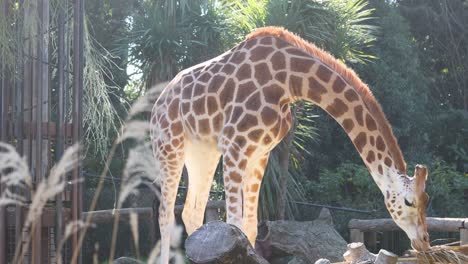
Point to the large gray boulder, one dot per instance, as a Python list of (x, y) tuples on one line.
[(220, 243), (306, 241)]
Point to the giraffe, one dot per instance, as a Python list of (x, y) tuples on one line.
[(237, 107)]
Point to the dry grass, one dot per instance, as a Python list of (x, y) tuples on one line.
[(444, 255)]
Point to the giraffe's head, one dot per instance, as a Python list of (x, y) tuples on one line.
[(407, 202)]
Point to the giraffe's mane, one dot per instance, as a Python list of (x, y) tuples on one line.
[(349, 76)]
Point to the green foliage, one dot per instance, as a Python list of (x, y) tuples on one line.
[(448, 189), (448, 137), (440, 31)]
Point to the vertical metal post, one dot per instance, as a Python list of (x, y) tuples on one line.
[(37, 232), (78, 65), (61, 116), (3, 130), (19, 115)]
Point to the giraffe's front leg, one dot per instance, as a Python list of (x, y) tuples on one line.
[(233, 188), (242, 180), (251, 189)]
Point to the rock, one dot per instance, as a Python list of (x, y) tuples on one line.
[(358, 253), (220, 243), (308, 240), (322, 261), (126, 260)]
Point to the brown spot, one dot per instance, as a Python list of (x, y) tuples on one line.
[(187, 79), (205, 77), (358, 114), (228, 69), (232, 199), (250, 150), (360, 141), (244, 72), (198, 106), (204, 126), (250, 43), (324, 73), (253, 103), (215, 84), (229, 132), (238, 57), (243, 164), (275, 129), (379, 156), (273, 93), (380, 144), (315, 90), (388, 195), (244, 91), (174, 109), (380, 169), (338, 85), (191, 121), (278, 61), (297, 52), (262, 73), (247, 122), (254, 187), (266, 41), (399, 213), (372, 140), (235, 155), (199, 89), (281, 76), (295, 85), (351, 95), (211, 105), (229, 162), (227, 94), (255, 135), (215, 68), (348, 125), (236, 113), (267, 139), (269, 116), (370, 156), (388, 161), (240, 141), (392, 201), (233, 209), (217, 122), (185, 107), (260, 53), (187, 92), (176, 128), (337, 108), (281, 43), (301, 64), (370, 123)]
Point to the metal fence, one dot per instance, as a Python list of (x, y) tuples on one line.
[(41, 95)]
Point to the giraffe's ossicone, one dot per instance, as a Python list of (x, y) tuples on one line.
[(236, 106)]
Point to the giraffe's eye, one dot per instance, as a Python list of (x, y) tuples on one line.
[(407, 203)]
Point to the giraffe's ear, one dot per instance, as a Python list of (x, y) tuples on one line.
[(420, 175)]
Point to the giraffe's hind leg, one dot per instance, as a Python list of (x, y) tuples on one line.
[(201, 161), (171, 164)]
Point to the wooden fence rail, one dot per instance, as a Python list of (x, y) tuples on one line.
[(358, 227)]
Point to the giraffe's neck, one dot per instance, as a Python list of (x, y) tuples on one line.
[(354, 109)]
